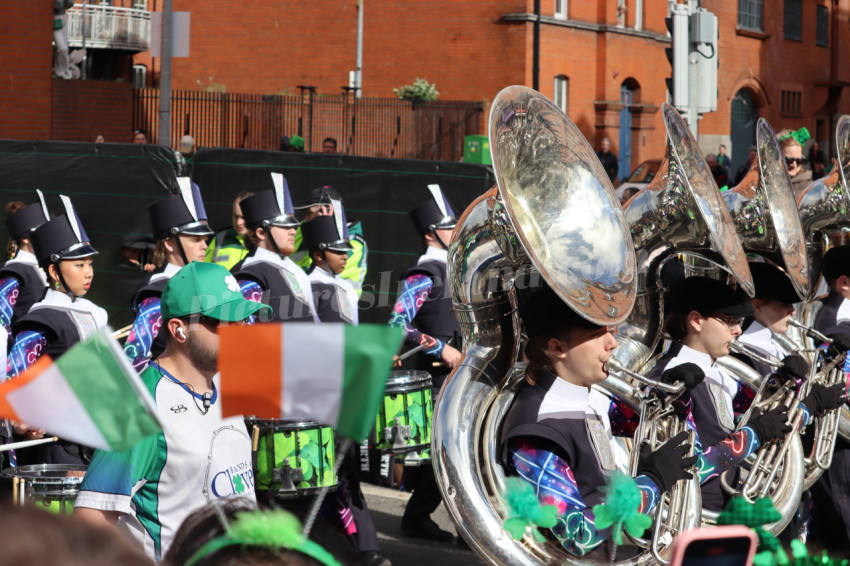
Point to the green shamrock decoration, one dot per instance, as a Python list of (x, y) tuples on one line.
[(621, 508), (525, 511)]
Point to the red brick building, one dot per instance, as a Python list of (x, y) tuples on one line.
[(602, 60)]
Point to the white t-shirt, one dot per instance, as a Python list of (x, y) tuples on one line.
[(167, 476)]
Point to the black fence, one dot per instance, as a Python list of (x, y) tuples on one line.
[(370, 127)]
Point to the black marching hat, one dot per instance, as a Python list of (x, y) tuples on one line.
[(434, 214), (327, 232), (62, 237), (322, 195), (542, 310), (27, 219), (707, 296), (772, 283), (270, 208), (836, 262), (180, 214)]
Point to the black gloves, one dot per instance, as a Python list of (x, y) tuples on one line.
[(689, 374), (794, 367), (666, 465), (823, 398), (771, 425), (841, 341)]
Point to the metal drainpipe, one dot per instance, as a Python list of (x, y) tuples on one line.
[(535, 69)]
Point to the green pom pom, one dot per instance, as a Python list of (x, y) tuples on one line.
[(525, 510), (622, 502)]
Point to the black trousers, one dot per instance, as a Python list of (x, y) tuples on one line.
[(831, 502), (426, 493)]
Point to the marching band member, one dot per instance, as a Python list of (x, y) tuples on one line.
[(320, 203), (327, 239), (773, 307), (180, 227), (557, 434), (424, 308), (61, 319), (22, 282), (149, 490), (831, 494), (268, 274), (706, 316)]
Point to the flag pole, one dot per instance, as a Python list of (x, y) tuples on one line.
[(317, 503)]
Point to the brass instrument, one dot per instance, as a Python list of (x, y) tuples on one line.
[(554, 212)]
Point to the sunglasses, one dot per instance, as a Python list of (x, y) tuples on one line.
[(792, 160)]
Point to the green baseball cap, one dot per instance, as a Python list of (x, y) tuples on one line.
[(207, 289)]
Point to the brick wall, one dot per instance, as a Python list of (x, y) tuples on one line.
[(26, 33), (83, 109)]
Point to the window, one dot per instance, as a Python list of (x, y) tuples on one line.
[(823, 25), (561, 9), (794, 19), (750, 14), (140, 76), (140, 4), (562, 83), (791, 102)]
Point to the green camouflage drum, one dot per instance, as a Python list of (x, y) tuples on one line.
[(293, 458), (403, 424)]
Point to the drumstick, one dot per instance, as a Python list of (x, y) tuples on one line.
[(122, 332), (255, 438), (27, 443), (410, 352)]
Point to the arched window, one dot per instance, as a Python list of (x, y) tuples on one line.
[(562, 85)]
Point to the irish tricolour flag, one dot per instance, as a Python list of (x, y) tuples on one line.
[(90, 395), (334, 374)]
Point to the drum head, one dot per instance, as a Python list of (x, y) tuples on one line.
[(402, 381)]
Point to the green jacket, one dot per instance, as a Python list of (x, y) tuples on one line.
[(227, 248), (355, 266)]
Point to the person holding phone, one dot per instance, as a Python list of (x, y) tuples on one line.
[(558, 433)]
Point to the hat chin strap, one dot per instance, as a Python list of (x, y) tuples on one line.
[(267, 229), (180, 248), (433, 229), (63, 283)]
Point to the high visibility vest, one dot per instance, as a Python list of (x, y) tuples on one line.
[(227, 249)]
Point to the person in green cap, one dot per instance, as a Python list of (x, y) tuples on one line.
[(150, 489)]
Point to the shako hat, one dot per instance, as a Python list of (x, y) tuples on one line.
[(27, 219), (322, 195), (62, 237), (434, 214), (180, 214), (707, 296), (270, 208), (327, 232), (541, 310), (772, 283), (836, 262)]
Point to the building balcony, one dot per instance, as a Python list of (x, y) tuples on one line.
[(109, 27)]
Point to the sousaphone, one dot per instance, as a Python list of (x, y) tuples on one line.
[(555, 212)]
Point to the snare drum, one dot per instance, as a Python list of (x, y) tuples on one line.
[(49, 486), (403, 424), (292, 458)]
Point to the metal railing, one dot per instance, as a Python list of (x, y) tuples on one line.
[(109, 27), (372, 127)]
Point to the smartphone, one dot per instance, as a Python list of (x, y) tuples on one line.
[(728, 545)]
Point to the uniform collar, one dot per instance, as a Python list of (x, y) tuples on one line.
[(564, 397), (434, 254), (322, 274), (267, 255), (760, 337), (170, 270), (24, 256), (687, 354)]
